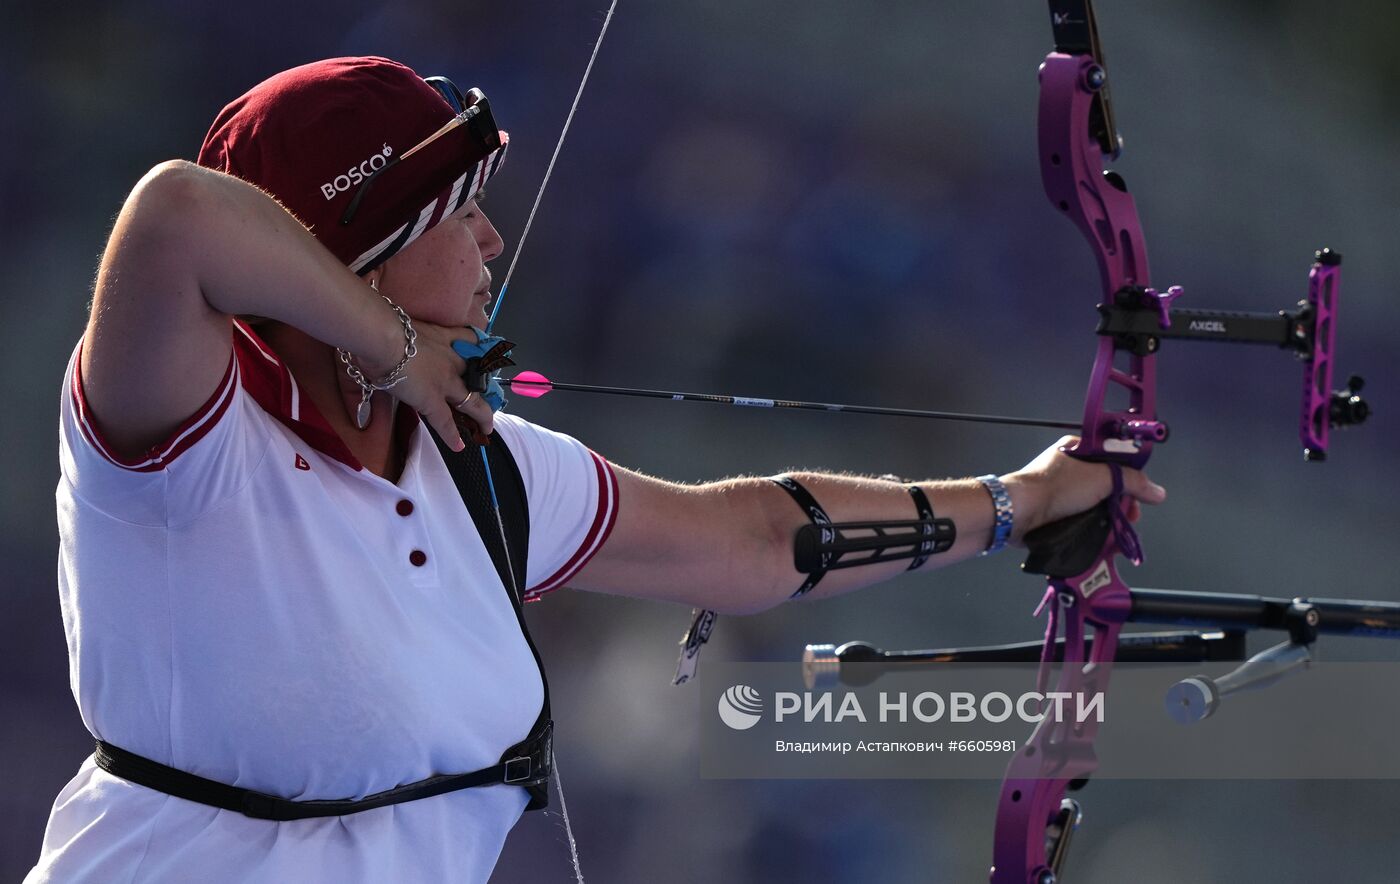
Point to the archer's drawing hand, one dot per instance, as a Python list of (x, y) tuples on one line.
[(1055, 486), (433, 386)]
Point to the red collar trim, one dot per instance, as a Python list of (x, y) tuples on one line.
[(268, 380)]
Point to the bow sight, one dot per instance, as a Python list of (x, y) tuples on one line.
[(1139, 318)]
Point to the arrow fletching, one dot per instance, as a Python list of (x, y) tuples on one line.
[(530, 384)]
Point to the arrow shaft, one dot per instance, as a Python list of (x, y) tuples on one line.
[(749, 402)]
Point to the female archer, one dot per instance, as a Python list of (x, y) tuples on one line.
[(291, 587)]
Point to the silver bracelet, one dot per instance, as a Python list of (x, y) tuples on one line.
[(1001, 499), (396, 374)]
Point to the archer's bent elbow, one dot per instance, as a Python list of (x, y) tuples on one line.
[(166, 201)]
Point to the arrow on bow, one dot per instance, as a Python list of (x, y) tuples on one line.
[(533, 385)]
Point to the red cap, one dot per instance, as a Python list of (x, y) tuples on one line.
[(310, 135)]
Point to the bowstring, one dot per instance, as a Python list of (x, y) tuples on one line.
[(491, 323), (549, 170)]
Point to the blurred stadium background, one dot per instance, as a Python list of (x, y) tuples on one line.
[(823, 200)]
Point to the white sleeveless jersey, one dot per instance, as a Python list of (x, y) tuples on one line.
[(247, 603)]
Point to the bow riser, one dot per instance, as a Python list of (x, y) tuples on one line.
[(1034, 821), (1071, 162)]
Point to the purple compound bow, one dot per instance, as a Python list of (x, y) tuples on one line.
[(1077, 131), (1085, 590), (1087, 600), (1076, 134)]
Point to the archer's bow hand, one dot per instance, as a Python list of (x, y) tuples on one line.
[(1055, 486)]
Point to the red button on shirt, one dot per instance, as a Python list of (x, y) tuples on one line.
[(418, 558), (404, 508)]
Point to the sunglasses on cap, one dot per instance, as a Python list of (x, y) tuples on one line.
[(471, 110)]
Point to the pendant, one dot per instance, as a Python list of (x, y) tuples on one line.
[(362, 413)]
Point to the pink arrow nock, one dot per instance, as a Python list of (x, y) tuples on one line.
[(530, 384)]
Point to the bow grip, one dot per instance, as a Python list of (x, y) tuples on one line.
[(1068, 547)]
